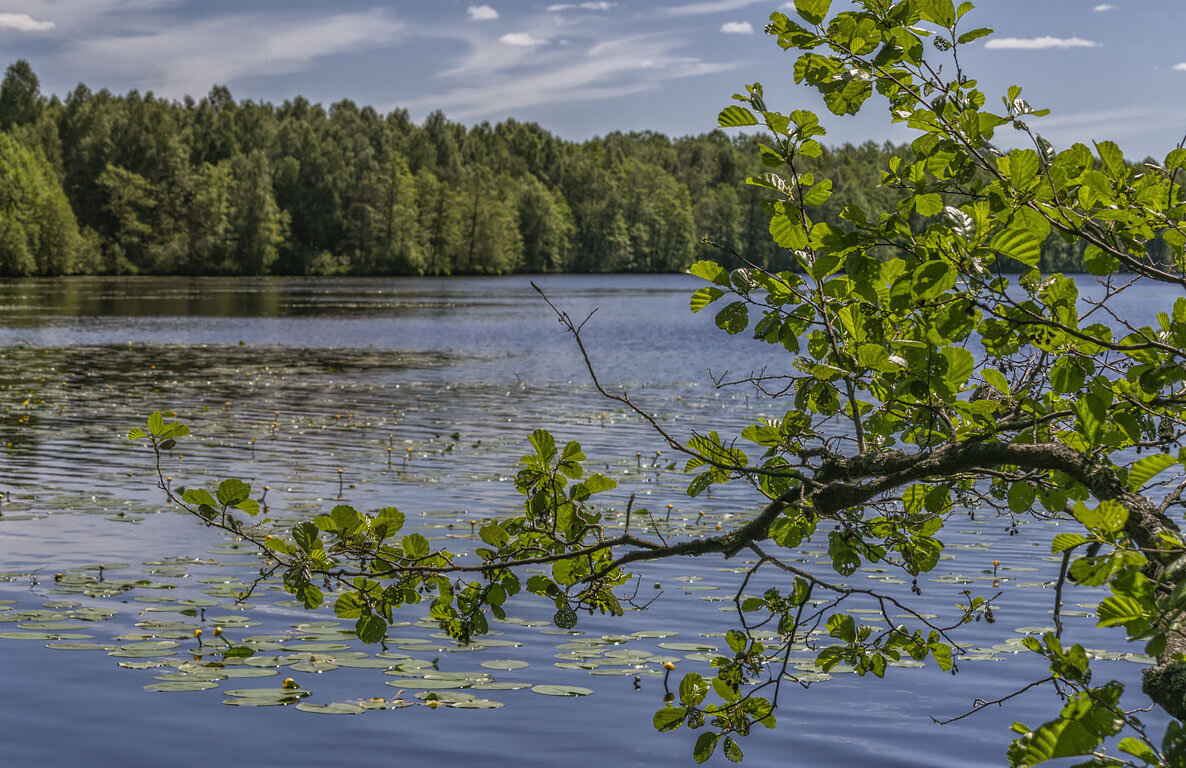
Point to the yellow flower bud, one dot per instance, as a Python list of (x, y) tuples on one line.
[(197, 633), (289, 683), (668, 666)]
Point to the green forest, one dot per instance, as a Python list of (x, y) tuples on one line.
[(100, 183)]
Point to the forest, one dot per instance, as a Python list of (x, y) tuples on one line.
[(100, 183)]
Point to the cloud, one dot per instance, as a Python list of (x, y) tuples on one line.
[(177, 60), (707, 6), (737, 28), (1104, 7), (23, 22), (521, 39), (1180, 67), (510, 80), (1039, 43), (601, 6), (481, 12)]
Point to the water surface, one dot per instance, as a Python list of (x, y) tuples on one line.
[(286, 382)]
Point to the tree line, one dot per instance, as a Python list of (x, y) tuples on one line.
[(99, 183)]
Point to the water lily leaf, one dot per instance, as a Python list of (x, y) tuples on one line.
[(477, 704), (336, 708), (182, 685), (700, 647), (504, 664), (561, 690)]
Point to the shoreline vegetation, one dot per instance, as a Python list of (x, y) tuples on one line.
[(103, 184)]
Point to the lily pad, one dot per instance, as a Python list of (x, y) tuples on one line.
[(504, 664), (336, 708), (561, 690), (696, 647), (182, 685)]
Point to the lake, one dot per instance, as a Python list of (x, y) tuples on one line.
[(418, 393)]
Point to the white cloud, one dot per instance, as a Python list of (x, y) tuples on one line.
[(601, 6), (707, 6), (737, 28), (1104, 7), (481, 12), (23, 22), (511, 80), (1180, 67), (178, 60), (1039, 43), (521, 39)]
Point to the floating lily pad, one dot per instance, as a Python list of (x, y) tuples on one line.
[(504, 664), (336, 708), (248, 672), (477, 704), (182, 685), (561, 690), (698, 647), (79, 646), (430, 684), (501, 685), (265, 697)]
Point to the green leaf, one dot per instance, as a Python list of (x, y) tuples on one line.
[(135, 433), (249, 506), (928, 205), (669, 718), (370, 629), (1099, 262), (198, 496), (932, 279), (544, 444), (346, 519), (1059, 738), (817, 195), (1020, 244), (813, 11), (1021, 497), (787, 232), (975, 34), (734, 318), (596, 483), (692, 689), (232, 491), (736, 117), (732, 751), (710, 271), (307, 536), (1144, 470), (494, 535), (1064, 541), (348, 606), (1117, 609), (706, 744), (390, 518), (995, 379), (702, 297), (1139, 750), (416, 546), (156, 423)]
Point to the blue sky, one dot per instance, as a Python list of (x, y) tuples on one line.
[(1107, 70)]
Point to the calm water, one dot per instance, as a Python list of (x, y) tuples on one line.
[(284, 383)]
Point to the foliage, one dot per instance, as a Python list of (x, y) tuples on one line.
[(38, 233), (218, 187), (955, 388)]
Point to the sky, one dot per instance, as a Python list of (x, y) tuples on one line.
[(1112, 70)]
